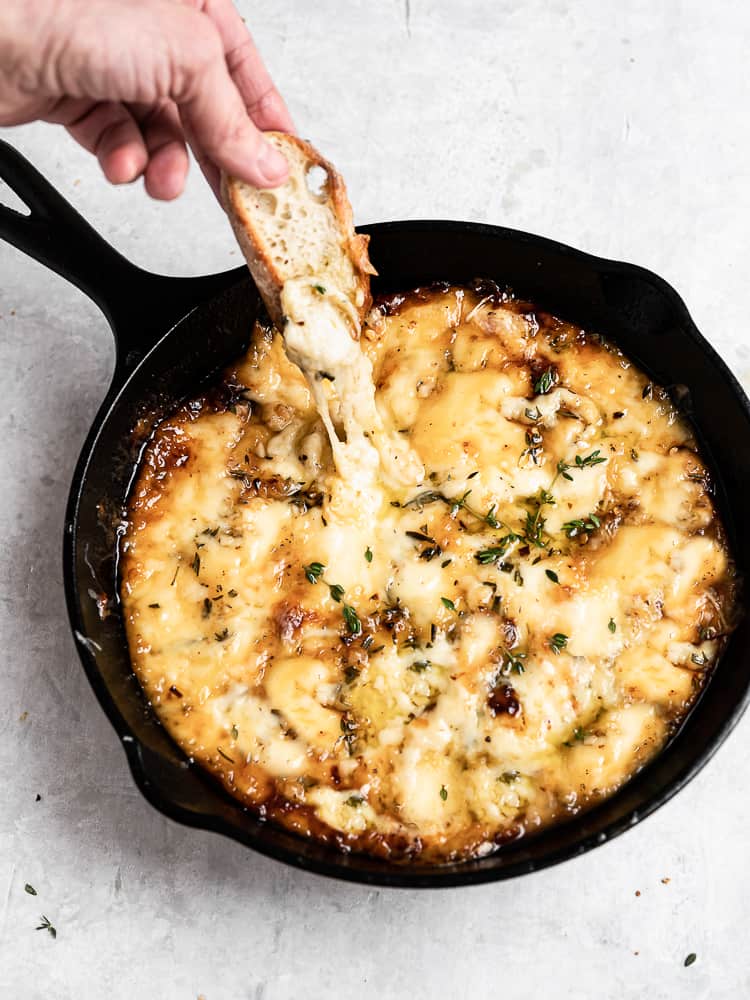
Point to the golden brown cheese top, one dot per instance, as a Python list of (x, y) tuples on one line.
[(433, 670)]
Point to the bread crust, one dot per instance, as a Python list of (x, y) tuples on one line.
[(259, 259)]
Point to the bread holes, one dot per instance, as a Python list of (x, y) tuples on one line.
[(267, 202), (317, 180)]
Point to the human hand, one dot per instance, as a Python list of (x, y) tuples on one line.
[(133, 81)]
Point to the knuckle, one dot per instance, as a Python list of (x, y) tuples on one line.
[(238, 57), (267, 103), (196, 50), (233, 131)]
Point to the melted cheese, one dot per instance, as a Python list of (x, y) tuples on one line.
[(321, 333), (424, 670)]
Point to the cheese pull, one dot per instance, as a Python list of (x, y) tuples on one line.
[(313, 273)]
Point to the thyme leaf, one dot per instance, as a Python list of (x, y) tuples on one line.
[(558, 642), (314, 571), (546, 380), (419, 666), (45, 925), (352, 619)]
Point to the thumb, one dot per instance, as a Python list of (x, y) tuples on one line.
[(216, 122)]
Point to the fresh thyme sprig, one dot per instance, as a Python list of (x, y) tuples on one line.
[(455, 504), (533, 529), (511, 662), (495, 553), (533, 450), (314, 571), (579, 525)]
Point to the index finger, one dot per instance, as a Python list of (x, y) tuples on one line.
[(264, 103)]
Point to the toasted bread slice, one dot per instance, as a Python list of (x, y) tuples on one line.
[(302, 229)]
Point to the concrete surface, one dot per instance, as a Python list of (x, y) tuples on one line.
[(619, 127)]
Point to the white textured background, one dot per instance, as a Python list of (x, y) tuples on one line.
[(620, 126)]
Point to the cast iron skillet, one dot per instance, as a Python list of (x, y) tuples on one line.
[(173, 333)]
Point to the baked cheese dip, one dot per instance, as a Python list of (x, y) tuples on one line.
[(424, 669)]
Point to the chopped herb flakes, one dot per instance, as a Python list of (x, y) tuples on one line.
[(551, 575), (533, 451), (448, 603), (352, 619), (443, 792), (612, 625), (221, 636), (354, 801), (30, 889), (430, 552), (368, 554), (545, 382), (419, 666), (689, 959), (419, 536), (319, 289), (45, 925)]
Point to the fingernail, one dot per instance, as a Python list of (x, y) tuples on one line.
[(272, 165)]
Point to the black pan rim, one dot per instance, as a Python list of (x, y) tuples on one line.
[(343, 866)]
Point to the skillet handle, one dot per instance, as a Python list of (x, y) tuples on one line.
[(139, 306)]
